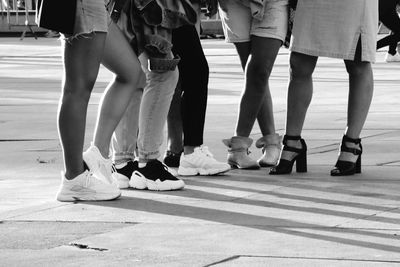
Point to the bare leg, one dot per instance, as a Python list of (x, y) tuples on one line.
[(263, 117), (243, 50), (121, 60), (361, 87), (81, 58), (263, 52), (299, 96)]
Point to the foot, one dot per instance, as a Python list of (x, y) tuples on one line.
[(294, 151), (201, 162), (271, 149), (392, 58), (349, 161), (238, 153), (155, 176), (101, 167), (123, 173), (85, 187), (290, 155), (172, 159), (348, 156)]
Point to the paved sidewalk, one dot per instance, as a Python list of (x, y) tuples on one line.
[(243, 218)]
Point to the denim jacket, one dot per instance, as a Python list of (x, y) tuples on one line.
[(148, 25)]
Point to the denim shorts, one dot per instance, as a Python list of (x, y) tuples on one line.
[(238, 22), (91, 16)]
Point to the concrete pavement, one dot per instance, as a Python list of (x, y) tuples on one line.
[(243, 218)]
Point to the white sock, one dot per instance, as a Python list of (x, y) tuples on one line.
[(142, 164), (121, 165)]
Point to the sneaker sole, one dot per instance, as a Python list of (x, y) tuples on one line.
[(142, 183), (65, 197), (182, 171)]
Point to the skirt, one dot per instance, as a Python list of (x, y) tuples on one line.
[(333, 28)]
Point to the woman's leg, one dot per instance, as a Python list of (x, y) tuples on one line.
[(174, 123), (393, 46), (299, 98), (194, 72), (300, 92), (391, 20), (156, 100), (82, 57), (361, 87), (243, 49), (263, 52), (263, 117), (123, 62)]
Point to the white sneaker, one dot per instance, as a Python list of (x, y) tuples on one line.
[(102, 168), (201, 162), (85, 187), (391, 58)]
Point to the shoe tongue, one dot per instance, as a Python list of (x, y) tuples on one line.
[(155, 163)]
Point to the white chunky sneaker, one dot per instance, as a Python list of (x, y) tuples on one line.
[(201, 162), (155, 176), (85, 187), (102, 168), (392, 58)]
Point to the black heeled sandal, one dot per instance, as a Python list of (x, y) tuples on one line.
[(342, 167), (285, 166)]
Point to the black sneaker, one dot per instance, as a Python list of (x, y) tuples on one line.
[(124, 172), (172, 159), (155, 176)]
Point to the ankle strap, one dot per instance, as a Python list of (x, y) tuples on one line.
[(291, 137), (351, 140), (354, 151), (294, 138)]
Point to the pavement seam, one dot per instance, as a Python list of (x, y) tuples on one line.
[(368, 216), (235, 257)]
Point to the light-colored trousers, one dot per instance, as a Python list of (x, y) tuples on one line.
[(142, 125)]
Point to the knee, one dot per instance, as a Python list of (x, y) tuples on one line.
[(258, 71), (357, 68), (130, 77), (300, 69), (78, 89)]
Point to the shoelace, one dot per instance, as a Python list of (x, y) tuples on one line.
[(204, 150), (88, 180)]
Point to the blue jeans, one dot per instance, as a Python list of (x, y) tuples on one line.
[(143, 123)]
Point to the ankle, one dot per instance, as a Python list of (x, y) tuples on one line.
[(294, 143), (104, 152), (352, 145), (70, 175), (142, 162), (175, 149), (188, 149)]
